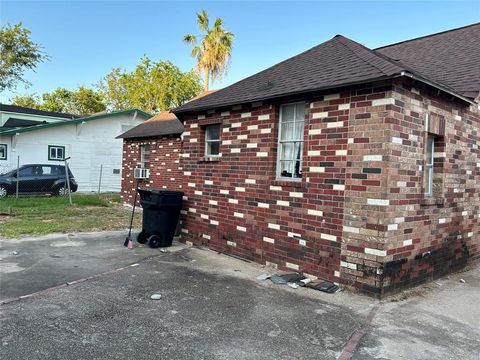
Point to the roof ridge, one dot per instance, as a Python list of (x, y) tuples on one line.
[(427, 36), (370, 51)]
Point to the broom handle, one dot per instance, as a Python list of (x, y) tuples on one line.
[(133, 211)]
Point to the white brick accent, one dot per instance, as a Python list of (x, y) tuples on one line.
[(191, 184), (397, 140), (213, 202), (275, 188), (240, 189), (193, 140), (245, 115), (348, 265), (268, 240), (225, 113), (238, 215), (313, 153), (208, 182), (341, 152), (328, 237), (317, 169), (197, 192), (263, 205), (294, 235), (320, 115), (336, 124), (273, 226), (314, 131), (242, 137), (231, 243), (252, 145), (235, 150), (250, 181), (387, 101), (194, 125), (227, 142), (241, 228), (292, 266), (401, 183), (262, 154), (266, 131), (187, 173), (407, 242), (264, 117), (283, 203), (375, 252), (399, 220), (233, 201), (351, 229), (203, 216), (236, 125), (214, 222), (295, 194), (252, 127), (314, 212), (192, 210), (373, 158), (338, 187), (391, 227), (343, 106), (378, 202), (205, 236), (224, 192), (201, 117)]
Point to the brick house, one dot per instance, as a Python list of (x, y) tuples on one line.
[(353, 165), (154, 147)]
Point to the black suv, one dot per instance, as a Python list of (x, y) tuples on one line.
[(37, 179)]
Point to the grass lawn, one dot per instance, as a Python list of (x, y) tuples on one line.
[(45, 215)]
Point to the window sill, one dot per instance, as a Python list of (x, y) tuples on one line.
[(209, 159), (297, 184), (432, 201)]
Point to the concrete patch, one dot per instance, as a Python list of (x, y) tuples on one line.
[(7, 268), (68, 243)]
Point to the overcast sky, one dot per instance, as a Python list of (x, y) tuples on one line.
[(86, 39)]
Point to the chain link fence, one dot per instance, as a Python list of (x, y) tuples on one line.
[(37, 180)]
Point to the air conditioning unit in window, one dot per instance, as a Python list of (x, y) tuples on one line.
[(140, 173)]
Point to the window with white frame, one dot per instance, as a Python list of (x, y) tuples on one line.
[(290, 141), (429, 165), (212, 140), (3, 151), (56, 152), (144, 156)]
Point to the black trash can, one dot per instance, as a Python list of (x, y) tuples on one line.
[(161, 210)]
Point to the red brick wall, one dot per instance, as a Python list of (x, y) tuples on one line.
[(164, 165)]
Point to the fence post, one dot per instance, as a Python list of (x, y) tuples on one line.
[(18, 175), (100, 179), (67, 176)]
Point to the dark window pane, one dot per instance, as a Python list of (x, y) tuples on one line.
[(213, 132), (213, 148)]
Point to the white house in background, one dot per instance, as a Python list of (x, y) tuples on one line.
[(90, 142), (12, 116)]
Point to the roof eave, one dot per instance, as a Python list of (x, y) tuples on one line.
[(437, 86)]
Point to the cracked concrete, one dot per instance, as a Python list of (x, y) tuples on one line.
[(211, 308)]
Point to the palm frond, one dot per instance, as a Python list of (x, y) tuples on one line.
[(202, 20)]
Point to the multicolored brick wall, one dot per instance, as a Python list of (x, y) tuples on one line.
[(164, 165), (359, 215)]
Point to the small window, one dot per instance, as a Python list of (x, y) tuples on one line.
[(212, 140), (290, 141), (429, 165), (3, 151), (27, 171), (56, 152), (144, 156)]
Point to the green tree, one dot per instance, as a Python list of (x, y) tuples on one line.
[(31, 101), (18, 53), (82, 101), (152, 87), (214, 49)]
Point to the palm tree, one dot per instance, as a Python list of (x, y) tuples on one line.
[(214, 50)]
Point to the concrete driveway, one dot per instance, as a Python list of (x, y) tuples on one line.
[(212, 307)]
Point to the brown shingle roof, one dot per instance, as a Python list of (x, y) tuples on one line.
[(451, 57), (335, 63), (165, 123)]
